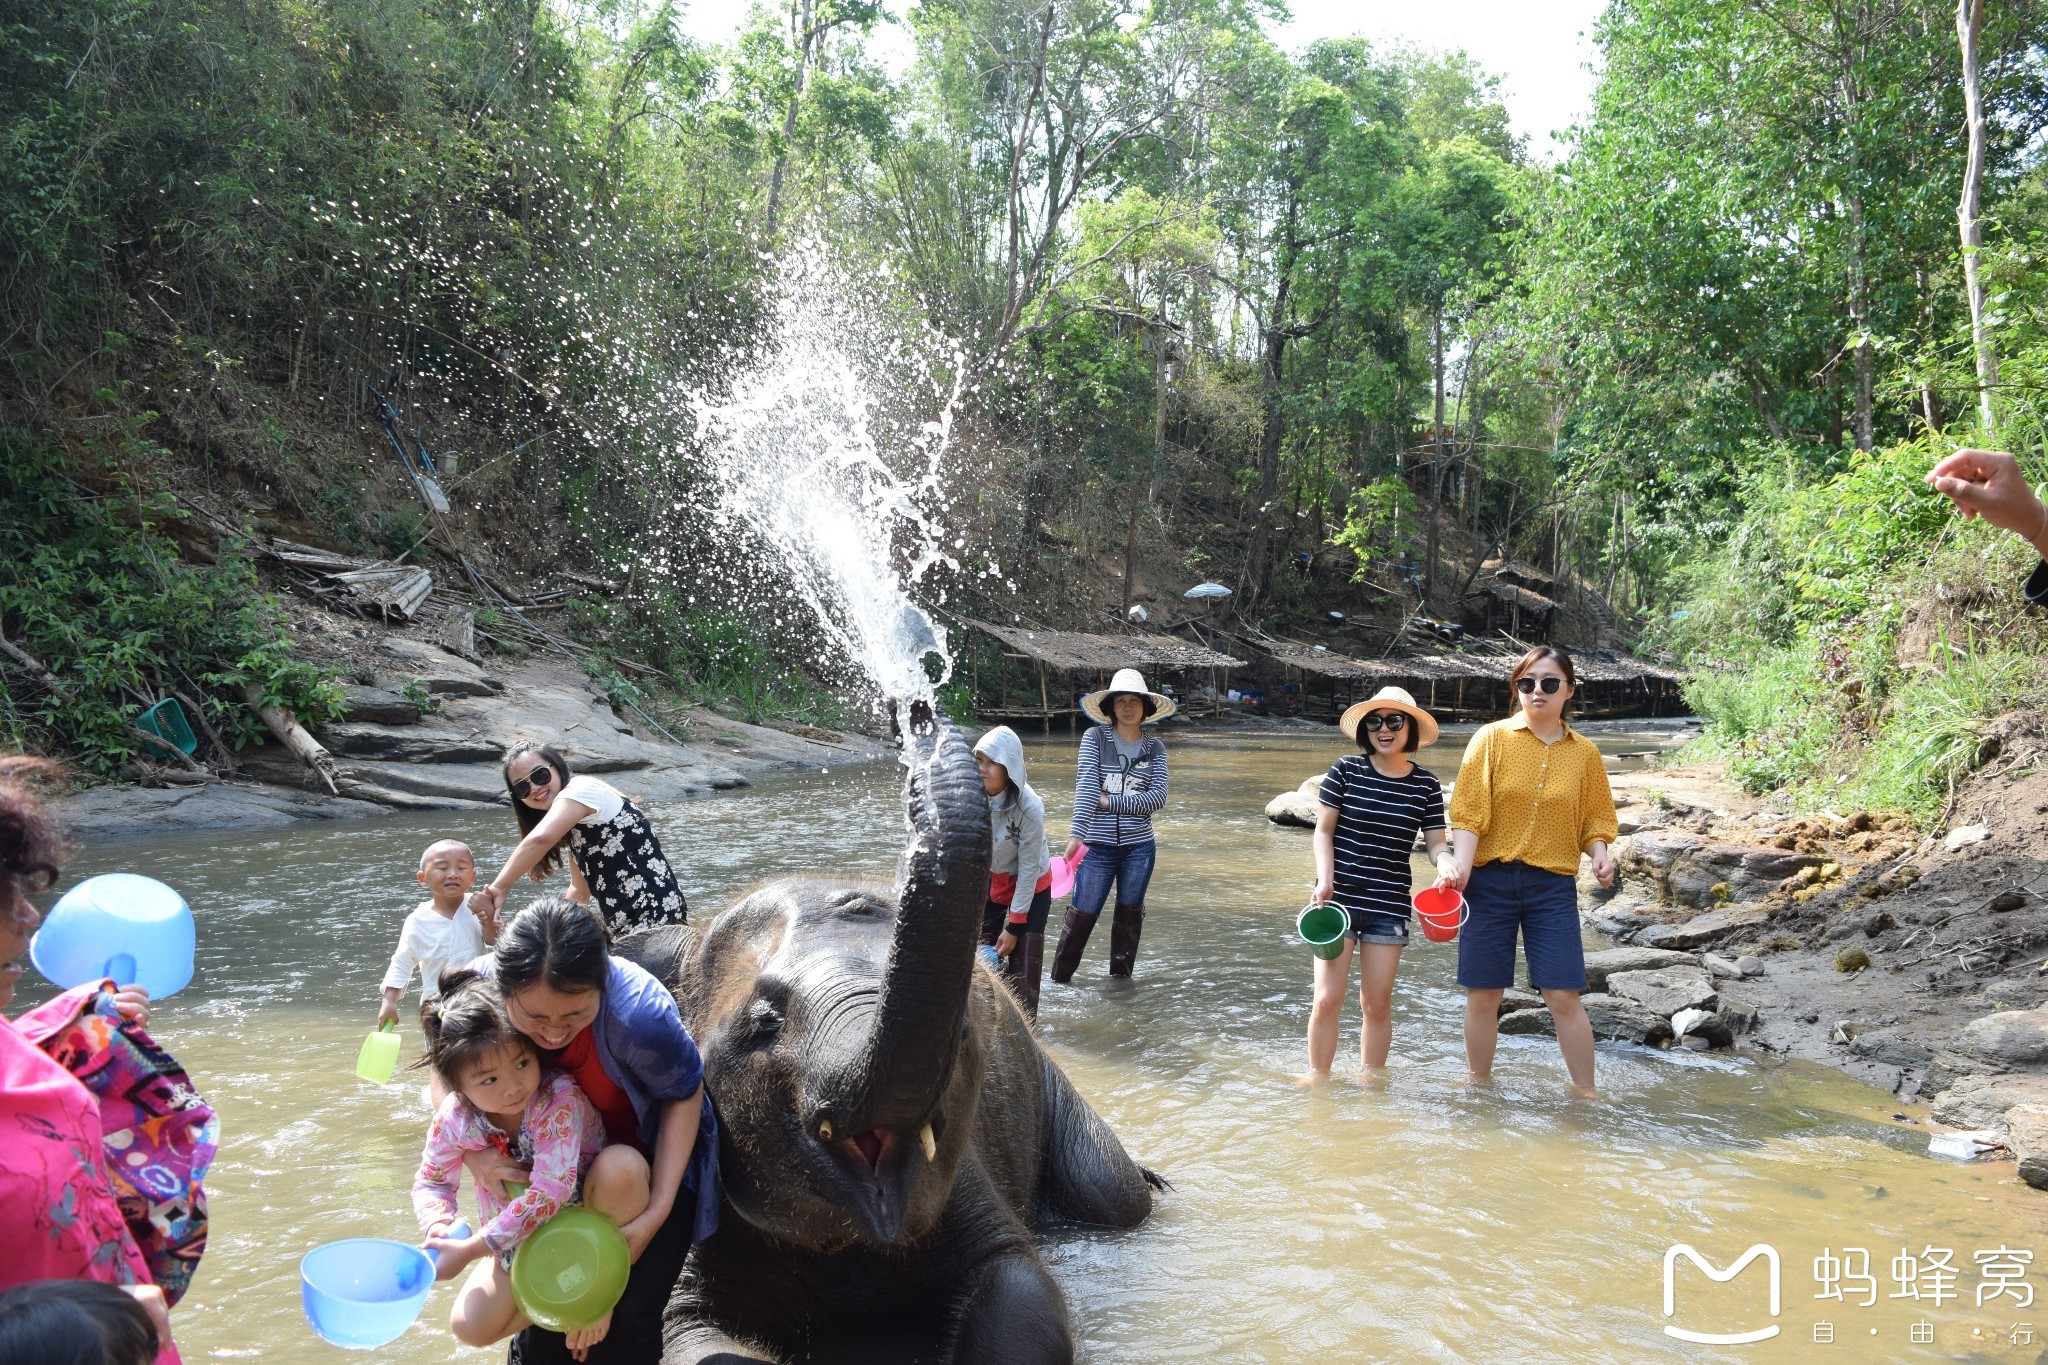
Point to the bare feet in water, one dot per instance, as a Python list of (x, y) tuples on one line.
[(1312, 1078)]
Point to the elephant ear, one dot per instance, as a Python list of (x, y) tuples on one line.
[(660, 949)]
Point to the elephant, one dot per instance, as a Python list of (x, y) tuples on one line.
[(891, 1129)]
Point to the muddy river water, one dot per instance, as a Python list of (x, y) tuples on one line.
[(1409, 1219)]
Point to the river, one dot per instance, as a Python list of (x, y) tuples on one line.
[(1407, 1219)]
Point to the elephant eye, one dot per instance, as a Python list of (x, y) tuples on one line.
[(763, 1025)]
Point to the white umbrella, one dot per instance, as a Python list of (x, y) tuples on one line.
[(1207, 590)]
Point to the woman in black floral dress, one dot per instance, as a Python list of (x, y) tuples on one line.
[(615, 863)]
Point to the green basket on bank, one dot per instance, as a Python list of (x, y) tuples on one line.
[(166, 720)]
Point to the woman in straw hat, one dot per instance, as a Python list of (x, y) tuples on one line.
[(1532, 796), (1120, 784), (1374, 802)]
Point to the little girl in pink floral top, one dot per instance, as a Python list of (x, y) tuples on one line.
[(502, 1097)]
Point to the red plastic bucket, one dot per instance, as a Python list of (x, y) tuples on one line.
[(1442, 912)]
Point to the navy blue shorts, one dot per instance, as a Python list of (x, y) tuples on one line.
[(1505, 898)]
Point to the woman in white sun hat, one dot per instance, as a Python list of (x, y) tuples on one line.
[(1374, 802), (1120, 785)]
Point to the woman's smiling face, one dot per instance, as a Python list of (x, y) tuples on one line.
[(542, 783), (550, 1017)]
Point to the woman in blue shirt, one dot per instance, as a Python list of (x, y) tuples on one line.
[(616, 1029)]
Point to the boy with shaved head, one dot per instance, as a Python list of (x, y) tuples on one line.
[(442, 931)]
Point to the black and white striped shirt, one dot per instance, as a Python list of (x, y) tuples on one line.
[(1378, 818), (1134, 782)]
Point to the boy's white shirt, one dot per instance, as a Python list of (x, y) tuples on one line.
[(432, 941)]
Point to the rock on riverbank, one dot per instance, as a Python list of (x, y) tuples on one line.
[(1916, 962), (395, 753)]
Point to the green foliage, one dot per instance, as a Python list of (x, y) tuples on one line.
[(1930, 742), (1369, 522), (1853, 637), (93, 588), (1772, 720)]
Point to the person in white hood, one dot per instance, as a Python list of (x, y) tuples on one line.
[(1020, 865)]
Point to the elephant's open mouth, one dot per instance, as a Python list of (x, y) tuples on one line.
[(875, 1165)]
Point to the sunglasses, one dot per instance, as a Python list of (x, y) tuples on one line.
[(1393, 724), (543, 776), (1527, 685)]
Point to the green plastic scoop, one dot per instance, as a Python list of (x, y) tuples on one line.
[(379, 1057)]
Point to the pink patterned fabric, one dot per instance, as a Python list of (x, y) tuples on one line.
[(560, 1136), (157, 1135), (56, 1203)]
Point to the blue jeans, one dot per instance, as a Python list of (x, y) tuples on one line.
[(1128, 865), (1503, 899)]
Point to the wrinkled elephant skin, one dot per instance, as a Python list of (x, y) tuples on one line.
[(891, 1129)]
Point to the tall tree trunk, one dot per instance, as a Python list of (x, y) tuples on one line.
[(1270, 433), (1930, 398), (805, 33), (1436, 462), (1272, 371), (1969, 22), (1865, 419)]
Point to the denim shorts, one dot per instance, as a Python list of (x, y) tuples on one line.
[(1128, 865), (1372, 926), (1503, 899)]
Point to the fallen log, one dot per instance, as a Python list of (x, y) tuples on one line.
[(293, 736)]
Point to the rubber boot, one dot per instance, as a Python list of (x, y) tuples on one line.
[(1073, 939), (1025, 964), (1123, 938)]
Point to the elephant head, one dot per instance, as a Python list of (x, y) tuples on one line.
[(833, 1019)]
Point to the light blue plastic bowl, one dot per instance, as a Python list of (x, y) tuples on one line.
[(364, 1292), (134, 929)]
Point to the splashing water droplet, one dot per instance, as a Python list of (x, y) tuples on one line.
[(812, 450)]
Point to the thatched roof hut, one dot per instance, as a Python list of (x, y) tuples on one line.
[(1082, 662)]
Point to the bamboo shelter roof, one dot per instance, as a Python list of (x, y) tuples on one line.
[(1442, 667), (1518, 571), (1075, 652), (1591, 665), (1519, 596), (1604, 665)]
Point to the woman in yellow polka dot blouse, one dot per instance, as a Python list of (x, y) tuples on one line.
[(1531, 797)]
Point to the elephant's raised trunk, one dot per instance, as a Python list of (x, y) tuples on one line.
[(941, 884)]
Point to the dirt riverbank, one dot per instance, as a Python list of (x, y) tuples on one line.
[(1916, 962), (426, 727)]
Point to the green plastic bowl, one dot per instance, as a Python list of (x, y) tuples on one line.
[(571, 1271), (1322, 928)]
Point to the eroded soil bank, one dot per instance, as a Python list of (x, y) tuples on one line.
[(1916, 962)]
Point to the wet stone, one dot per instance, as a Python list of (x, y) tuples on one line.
[(2026, 1127), (2008, 1038), (1603, 964), (1666, 990)]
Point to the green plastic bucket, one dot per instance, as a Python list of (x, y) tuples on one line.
[(166, 720), (1322, 928)]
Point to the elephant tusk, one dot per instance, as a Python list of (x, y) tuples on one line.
[(825, 1131), (931, 1144)]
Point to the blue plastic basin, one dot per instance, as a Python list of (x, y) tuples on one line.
[(364, 1292), (134, 929)]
